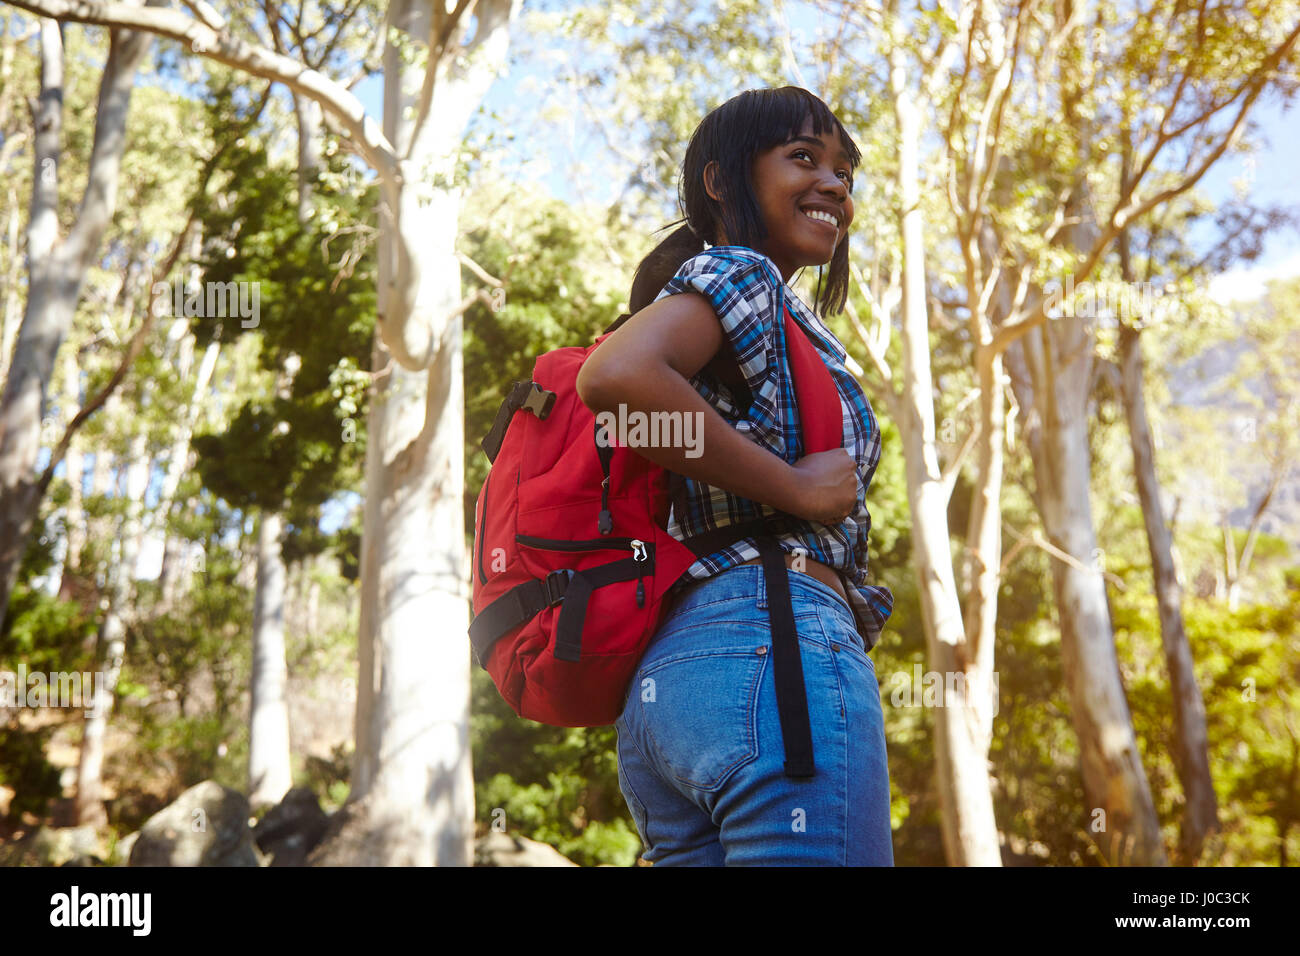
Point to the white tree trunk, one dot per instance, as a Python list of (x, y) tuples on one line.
[(178, 461), (1120, 813), (13, 263), (56, 271), (74, 520), (310, 121), (1191, 753), (269, 768), (412, 798), (89, 804), (962, 725)]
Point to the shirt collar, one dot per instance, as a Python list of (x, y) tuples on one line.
[(802, 313)]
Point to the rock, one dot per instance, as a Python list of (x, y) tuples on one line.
[(52, 846), (504, 849), (207, 825), (291, 829), (122, 850)]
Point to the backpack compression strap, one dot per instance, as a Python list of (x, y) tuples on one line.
[(527, 395)]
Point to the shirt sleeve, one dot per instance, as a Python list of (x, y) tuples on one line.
[(744, 291)]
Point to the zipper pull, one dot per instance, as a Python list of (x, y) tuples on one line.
[(639, 553), (606, 522)]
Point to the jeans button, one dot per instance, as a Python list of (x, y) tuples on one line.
[(760, 651), (835, 647)]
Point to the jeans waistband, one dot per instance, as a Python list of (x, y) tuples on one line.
[(748, 581)]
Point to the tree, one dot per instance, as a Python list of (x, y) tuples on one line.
[(412, 797), (56, 270), (290, 448)]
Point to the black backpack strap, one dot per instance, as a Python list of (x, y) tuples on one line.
[(572, 588), (605, 454), (787, 664), (706, 543), (573, 615), (528, 395), (511, 609)]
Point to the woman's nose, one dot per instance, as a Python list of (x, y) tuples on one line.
[(834, 186)]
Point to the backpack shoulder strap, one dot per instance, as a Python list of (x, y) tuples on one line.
[(814, 389)]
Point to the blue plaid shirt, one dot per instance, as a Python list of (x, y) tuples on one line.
[(748, 294)]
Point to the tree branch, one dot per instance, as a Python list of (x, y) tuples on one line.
[(223, 47)]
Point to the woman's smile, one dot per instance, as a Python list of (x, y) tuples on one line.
[(803, 193)]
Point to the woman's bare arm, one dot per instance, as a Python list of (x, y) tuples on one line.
[(645, 366)]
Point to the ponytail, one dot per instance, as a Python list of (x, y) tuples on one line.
[(658, 267), (661, 265)]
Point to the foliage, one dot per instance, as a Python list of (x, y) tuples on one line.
[(25, 770), (298, 447), (558, 785)]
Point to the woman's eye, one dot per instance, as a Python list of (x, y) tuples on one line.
[(845, 174)]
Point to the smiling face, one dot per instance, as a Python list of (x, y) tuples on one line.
[(802, 188)]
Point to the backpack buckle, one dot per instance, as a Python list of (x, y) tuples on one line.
[(539, 401), (555, 584)]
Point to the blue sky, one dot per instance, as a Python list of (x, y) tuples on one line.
[(1267, 176)]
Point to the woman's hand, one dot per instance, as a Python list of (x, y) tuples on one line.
[(827, 486)]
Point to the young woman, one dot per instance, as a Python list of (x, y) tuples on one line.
[(767, 183)]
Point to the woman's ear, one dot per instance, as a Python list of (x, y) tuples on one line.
[(710, 175)]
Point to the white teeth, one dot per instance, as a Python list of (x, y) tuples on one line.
[(823, 216)]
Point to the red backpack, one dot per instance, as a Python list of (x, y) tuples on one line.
[(572, 563)]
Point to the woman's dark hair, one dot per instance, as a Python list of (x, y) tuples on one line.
[(732, 135)]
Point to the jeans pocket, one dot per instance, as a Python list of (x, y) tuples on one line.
[(700, 712)]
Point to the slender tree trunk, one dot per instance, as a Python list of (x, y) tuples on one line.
[(1237, 567), (1056, 361), (1191, 745), (11, 143), (983, 559), (270, 775), (74, 521), (984, 531), (13, 262), (178, 462), (311, 621), (89, 802), (412, 799), (269, 769), (961, 738), (98, 529), (56, 271), (308, 112)]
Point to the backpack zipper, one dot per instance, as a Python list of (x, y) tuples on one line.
[(482, 523), (589, 544), (640, 552)]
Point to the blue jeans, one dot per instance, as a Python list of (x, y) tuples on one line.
[(700, 749)]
